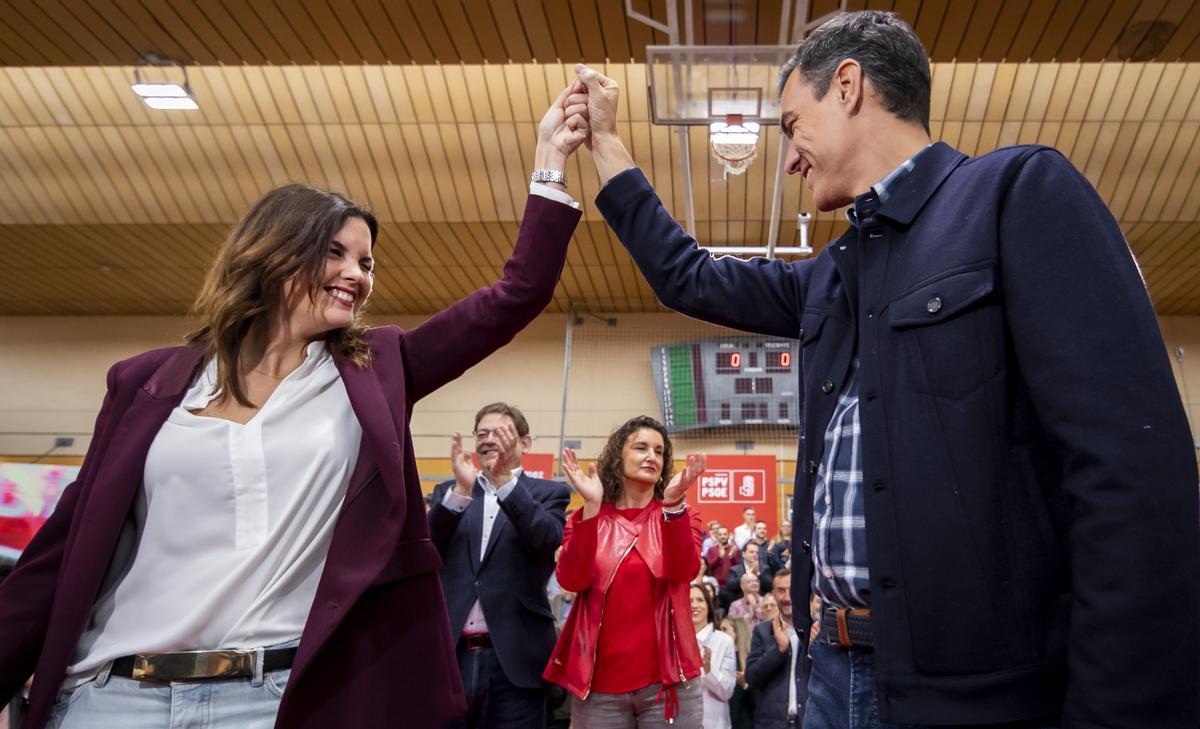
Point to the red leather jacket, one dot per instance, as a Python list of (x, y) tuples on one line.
[(591, 553)]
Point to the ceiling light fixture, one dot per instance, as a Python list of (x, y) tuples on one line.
[(162, 93)]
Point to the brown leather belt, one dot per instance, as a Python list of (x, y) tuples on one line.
[(199, 665), (475, 642), (847, 628)]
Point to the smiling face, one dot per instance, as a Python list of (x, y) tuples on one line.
[(642, 457), (699, 608), (346, 283), (487, 447), (820, 145)]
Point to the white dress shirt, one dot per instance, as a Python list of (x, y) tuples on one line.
[(719, 683), (742, 535), (233, 522), (793, 706), (537, 188), (476, 624)]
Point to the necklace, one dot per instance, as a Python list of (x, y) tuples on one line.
[(268, 374)]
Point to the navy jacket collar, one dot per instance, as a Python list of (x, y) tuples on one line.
[(910, 193)]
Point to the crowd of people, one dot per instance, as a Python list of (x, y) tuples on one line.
[(247, 544)]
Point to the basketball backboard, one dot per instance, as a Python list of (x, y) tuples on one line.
[(698, 85)]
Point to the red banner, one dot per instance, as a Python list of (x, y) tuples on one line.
[(538, 465), (730, 484)]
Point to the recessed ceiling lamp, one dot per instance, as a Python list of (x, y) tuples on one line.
[(162, 93)]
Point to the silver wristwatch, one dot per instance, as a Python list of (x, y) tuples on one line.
[(549, 176)]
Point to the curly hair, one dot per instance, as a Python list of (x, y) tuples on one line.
[(611, 467)]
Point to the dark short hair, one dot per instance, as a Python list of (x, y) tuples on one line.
[(785, 572), (610, 465), (503, 408), (886, 48)]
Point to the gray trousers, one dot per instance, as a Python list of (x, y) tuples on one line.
[(638, 709)]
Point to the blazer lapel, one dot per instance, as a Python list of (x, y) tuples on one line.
[(380, 438), (115, 484), (475, 525)]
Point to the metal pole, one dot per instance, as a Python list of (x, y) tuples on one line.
[(777, 198), (685, 146), (562, 417)]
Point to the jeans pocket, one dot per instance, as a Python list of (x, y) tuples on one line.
[(276, 681)]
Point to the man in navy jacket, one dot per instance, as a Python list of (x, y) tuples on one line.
[(497, 530), (996, 491)]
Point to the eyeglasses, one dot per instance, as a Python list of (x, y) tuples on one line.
[(483, 433)]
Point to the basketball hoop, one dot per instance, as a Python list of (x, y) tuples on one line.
[(735, 143)]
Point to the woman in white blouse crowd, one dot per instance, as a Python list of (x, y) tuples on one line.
[(719, 676)]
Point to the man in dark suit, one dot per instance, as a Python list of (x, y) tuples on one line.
[(496, 529), (770, 669), (996, 486)]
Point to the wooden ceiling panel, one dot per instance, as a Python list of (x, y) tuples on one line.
[(355, 32), (441, 151)]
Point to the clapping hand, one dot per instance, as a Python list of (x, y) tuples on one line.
[(781, 634), (464, 469), (587, 485), (499, 470), (683, 480)]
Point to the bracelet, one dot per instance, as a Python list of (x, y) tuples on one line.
[(675, 504), (673, 515), (549, 176)]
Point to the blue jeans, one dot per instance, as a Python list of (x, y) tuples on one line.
[(123, 703), (841, 693)]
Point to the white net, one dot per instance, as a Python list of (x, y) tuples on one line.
[(734, 157)]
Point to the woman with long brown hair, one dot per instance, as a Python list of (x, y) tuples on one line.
[(246, 544), (628, 653)]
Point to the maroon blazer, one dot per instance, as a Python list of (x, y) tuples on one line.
[(376, 649)]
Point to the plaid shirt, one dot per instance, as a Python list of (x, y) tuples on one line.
[(839, 544)]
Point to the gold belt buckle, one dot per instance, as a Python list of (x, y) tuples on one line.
[(191, 665)]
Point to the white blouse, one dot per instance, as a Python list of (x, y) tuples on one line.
[(719, 683), (233, 522)]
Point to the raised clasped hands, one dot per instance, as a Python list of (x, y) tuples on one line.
[(563, 128), (602, 95)]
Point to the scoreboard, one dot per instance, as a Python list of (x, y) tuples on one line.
[(730, 380)]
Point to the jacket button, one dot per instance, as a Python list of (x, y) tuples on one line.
[(934, 305), (479, 583), (827, 387), (801, 333), (806, 546), (812, 466)]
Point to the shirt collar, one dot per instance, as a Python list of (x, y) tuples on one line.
[(487, 484), (867, 203), (706, 631)]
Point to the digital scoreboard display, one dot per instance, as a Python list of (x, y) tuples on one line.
[(734, 380)]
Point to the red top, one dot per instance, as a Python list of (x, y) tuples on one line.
[(627, 647)]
